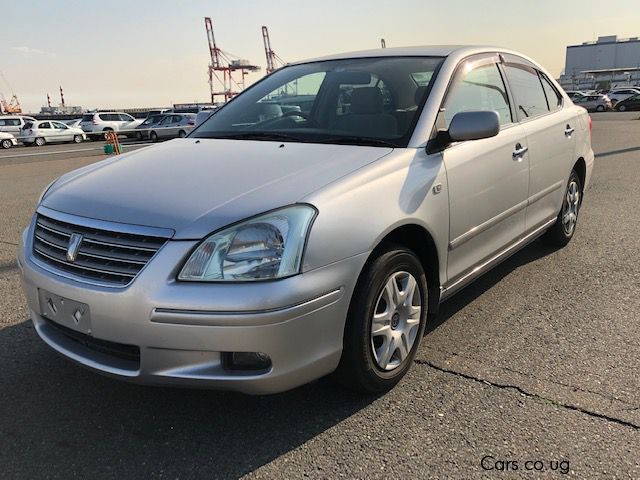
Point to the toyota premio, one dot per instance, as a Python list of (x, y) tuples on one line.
[(309, 226)]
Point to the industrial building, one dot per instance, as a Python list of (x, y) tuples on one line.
[(606, 63)]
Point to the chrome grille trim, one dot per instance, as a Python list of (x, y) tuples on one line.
[(111, 258)]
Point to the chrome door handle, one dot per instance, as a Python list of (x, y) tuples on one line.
[(569, 131), (519, 152)]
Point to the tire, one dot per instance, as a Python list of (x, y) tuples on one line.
[(77, 139), (6, 144), (105, 132), (138, 135), (621, 108), (39, 142), (368, 363), (563, 230), (600, 108), (153, 136), (182, 134)]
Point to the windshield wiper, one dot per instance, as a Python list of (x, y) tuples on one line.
[(366, 141), (267, 136)]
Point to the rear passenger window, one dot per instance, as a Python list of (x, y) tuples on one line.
[(480, 88), (527, 91), (553, 97)]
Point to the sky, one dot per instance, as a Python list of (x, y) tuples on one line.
[(154, 53)]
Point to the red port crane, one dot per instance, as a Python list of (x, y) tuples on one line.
[(273, 60), (225, 69)]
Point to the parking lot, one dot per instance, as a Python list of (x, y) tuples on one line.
[(536, 363)]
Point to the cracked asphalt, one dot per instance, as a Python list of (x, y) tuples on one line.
[(535, 362)]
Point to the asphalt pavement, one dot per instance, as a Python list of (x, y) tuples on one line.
[(531, 372)]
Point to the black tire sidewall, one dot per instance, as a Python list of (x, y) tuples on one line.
[(358, 359)]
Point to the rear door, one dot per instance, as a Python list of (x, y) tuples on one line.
[(487, 179), (45, 131), (549, 126)]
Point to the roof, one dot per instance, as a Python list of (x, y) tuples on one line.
[(422, 51)]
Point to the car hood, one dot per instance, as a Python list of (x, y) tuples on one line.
[(196, 186)]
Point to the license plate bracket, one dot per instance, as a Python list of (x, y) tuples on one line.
[(64, 311)]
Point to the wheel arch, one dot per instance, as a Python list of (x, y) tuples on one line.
[(581, 169), (420, 241)]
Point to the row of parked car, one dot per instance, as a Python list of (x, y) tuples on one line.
[(159, 124), (621, 99)]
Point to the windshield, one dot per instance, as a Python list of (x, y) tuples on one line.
[(366, 101)]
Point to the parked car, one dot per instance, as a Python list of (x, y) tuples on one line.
[(7, 140), (631, 103), (98, 124), (39, 133), (176, 125), (159, 111), (594, 103), (573, 94), (74, 123), (618, 94), (149, 122), (13, 123), (259, 254), (204, 114)]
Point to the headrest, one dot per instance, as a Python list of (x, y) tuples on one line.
[(420, 91), (366, 100)]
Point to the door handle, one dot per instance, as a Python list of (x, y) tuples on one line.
[(569, 131), (519, 152)]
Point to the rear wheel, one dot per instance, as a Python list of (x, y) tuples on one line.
[(562, 231), (622, 108), (386, 321), (39, 142), (6, 144), (600, 108), (153, 136), (182, 134), (77, 138)]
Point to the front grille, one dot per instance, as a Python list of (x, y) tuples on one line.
[(106, 257), (121, 351)]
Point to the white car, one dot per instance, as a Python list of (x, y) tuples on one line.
[(98, 124), (13, 123), (7, 140), (39, 133), (618, 94)]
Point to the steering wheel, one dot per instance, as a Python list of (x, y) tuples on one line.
[(297, 113)]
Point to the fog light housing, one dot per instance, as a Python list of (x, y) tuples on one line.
[(246, 361)]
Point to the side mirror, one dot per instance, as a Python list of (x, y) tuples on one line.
[(474, 125)]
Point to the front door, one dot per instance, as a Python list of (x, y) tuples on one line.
[(487, 179)]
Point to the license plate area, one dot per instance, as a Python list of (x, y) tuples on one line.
[(66, 312)]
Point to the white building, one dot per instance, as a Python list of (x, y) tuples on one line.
[(606, 63)]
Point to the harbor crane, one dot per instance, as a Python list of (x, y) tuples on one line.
[(227, 72), (13, 104), (273, 60)]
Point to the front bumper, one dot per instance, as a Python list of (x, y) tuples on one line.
[(181, 329)]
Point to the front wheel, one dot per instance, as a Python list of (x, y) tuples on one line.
[(600, 108), (6, 144), (77, 139), (153, 136), (622, 108), (386, 322), (562, 231)]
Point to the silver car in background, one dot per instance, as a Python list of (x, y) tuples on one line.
[(275, 246), (593, 103), (151, 121), (175, 125)]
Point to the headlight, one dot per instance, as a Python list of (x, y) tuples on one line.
[(265, 247)]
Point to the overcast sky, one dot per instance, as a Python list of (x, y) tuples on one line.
[(154, 53)]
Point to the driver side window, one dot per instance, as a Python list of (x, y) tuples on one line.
[(479, 88)]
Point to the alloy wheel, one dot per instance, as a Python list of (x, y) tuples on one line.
[(396, 320)]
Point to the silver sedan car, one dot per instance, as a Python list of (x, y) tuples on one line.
[(266, 251)]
